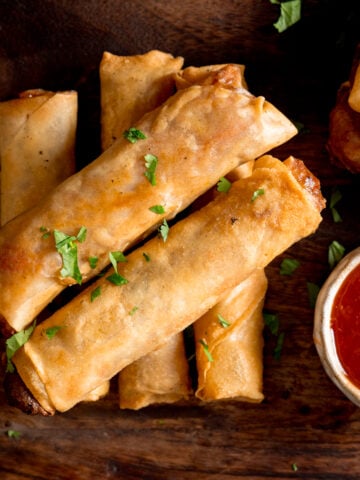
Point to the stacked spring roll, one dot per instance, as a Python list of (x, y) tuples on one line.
[(205, 255)]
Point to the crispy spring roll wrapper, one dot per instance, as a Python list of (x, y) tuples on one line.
[(37, 147), (236, 368), (200, 129), (161, 376), (205, 75), (205, 255), (133, 85)]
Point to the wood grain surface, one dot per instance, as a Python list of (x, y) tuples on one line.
[(304, 419)]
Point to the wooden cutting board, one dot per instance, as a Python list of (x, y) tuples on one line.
[(304, 420)]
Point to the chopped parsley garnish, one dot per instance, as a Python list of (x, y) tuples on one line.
[(159, 209), (334, 199), (147, 257), (52, 331), (133, 135), (257, 194), (313, 292), (13, 434), (294, 467), (288, 266), (67, 248), (290, 13), (223, 185), (117, 279), (45, 232), (224, 323), (15, 342), (271, 320), (164, 230), (95, 293), (335, 253), (93, 261), (150, 164), (133, 310), (206, 350)]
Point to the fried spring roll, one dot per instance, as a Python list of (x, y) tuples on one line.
[(229, 344), (37, 138), (133, 85), (161, 376), (205, 255), (130, 87), (211, 129)]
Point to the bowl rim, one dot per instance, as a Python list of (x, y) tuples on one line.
[(323, 334)]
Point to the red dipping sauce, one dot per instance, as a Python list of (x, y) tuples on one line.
[(345, 322)]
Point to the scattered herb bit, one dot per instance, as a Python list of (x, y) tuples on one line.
[(67, 248), (150, 164), (290, 13), (334, 199), (93, 261), (52, 331), (164, 230), (223, 322), (13, 434), (206, 350), (294, 467), (335, 253), (223, 185), (117, 279), (45, 232), (271, 320), (95, 293), (159, 209), (313, 292), (279, 345), (146, 256), (288, 266), (15, 342), (116, 257), (257, 193), (133, 310), (133, 135)]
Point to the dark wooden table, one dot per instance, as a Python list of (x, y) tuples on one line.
[(304, 419)]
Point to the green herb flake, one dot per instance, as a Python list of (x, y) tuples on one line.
[(164, 230), (335, 253), (290, 13), (15, 342), (133, 310), (224, 323), (294, 467), (334, 199), (116, 257), (67, 248), (117, 279), (52, 331), (93, 261), (159, 209), (271, 320), (257, 194), (223, 185), (206, 350), (95, 293), (45, 232), (313, 292), (13, 434), (288, 266), (279, 345), (151, 162), (133, 135), (147, 257)]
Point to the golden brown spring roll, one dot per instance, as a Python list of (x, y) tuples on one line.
[(229, 344), (130, 87), (200, 129), (205, 255), (161, 376), (37, 137), (205, 76), (133, 85)]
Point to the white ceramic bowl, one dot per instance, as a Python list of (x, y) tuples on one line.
[(323, 331)]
